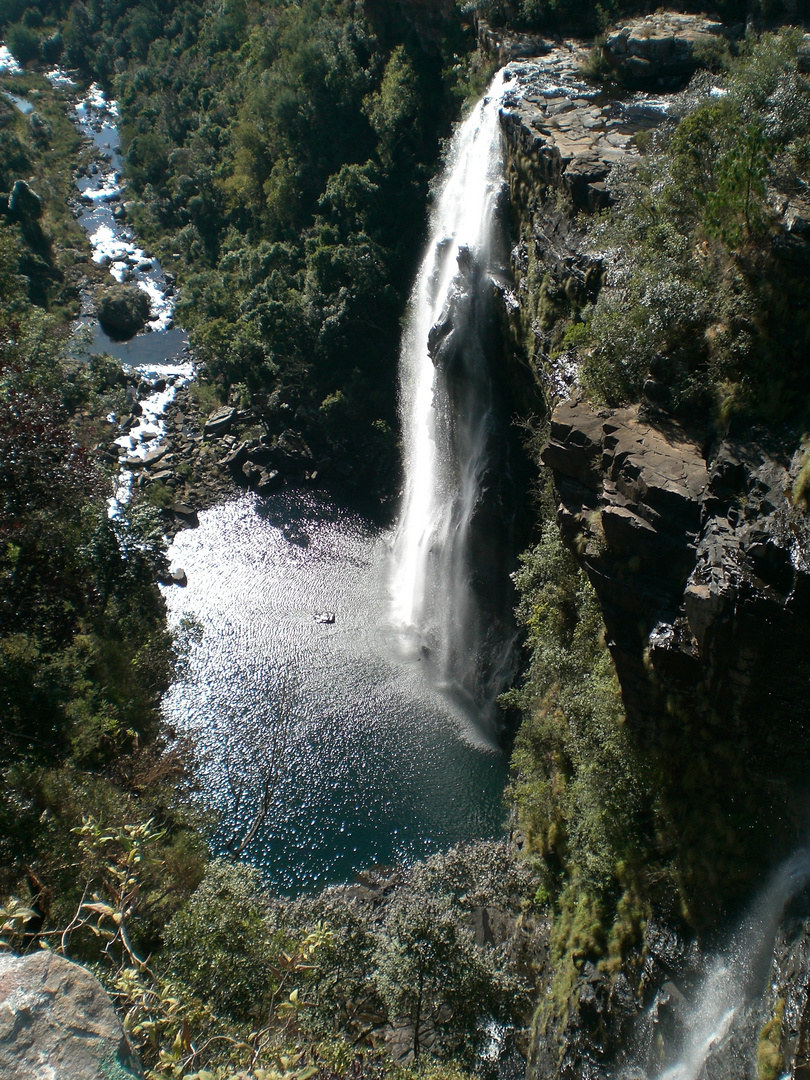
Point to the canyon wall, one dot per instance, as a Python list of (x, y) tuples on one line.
[(697, 550)]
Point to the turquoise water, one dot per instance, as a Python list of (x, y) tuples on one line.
[(306, 711), (365, 761)]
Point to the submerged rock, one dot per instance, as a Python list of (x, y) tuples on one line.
[(268, 481)]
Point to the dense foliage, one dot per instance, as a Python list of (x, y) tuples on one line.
[(320, 985), (85, 655), (297, 268), (586, 797), (701, 315), (704, 297), (280, 155)]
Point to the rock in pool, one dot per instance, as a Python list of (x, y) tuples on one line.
[(122, 309)]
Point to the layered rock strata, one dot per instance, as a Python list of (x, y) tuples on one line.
[(701, 564), (561, 133), (664, 49), (698, 553)]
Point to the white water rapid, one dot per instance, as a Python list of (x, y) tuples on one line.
[(447, 417)]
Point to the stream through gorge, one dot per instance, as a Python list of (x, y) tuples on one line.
[(331, 687)]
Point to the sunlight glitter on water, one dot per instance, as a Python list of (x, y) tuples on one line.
[(8, 65), (376, 767)]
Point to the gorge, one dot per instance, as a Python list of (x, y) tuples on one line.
[(336, 696)]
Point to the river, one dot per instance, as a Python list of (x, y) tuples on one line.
[(305, 711)]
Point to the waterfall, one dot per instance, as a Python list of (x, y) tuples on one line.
[(450, 536), (720, 1022)]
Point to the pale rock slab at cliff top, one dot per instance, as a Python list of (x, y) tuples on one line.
[(563, 133), (57, 1023), (665, 46)]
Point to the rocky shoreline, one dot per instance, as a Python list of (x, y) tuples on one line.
[(206, 457)]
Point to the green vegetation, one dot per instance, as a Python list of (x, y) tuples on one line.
[(285, 153), (769, 1052), (279, 157), (93, 800), (700, 315), (585, 796), (243, 980), (42, 148), (85, 655), (702, 295)]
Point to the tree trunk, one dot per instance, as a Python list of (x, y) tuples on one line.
[(418, 1014)]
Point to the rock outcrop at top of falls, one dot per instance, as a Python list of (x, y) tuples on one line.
[(560, 134), (663, 49)]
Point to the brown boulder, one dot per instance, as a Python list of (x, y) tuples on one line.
[(122, 310)]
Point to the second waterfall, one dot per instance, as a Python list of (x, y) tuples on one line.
[(453, 542)]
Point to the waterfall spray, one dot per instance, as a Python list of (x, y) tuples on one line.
[(449, 422), (721, 1020)]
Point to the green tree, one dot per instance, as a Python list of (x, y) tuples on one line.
[(428, 968), (736, 209), (222, 944), (23, 42)]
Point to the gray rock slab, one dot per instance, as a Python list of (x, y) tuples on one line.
[(58, 1023)]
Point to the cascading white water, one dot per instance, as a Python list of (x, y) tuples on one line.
[(716, 1019), (446, 435)]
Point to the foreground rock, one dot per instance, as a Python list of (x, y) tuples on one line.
[(122, 310), (56, 1021)]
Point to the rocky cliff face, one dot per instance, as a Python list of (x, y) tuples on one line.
[(695, 548), (699, 555), (562, 134), (562, 140), (616, 1030), (662, 50), (700, 561)]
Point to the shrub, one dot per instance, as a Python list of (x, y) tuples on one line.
[(222, 944), (23, 42)]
